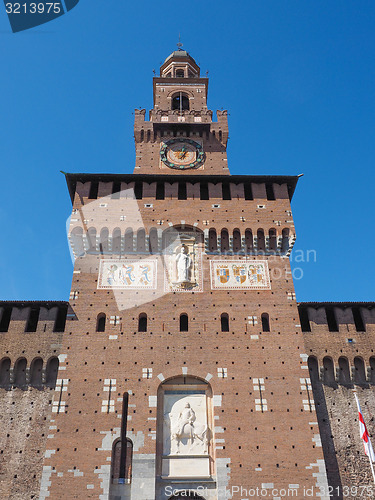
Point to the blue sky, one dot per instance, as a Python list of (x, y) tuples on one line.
[(297, 78)]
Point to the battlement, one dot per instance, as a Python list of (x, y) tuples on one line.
[(167, 186), (341, 317), (34, 316)]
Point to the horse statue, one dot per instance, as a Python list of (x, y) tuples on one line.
[(186, 429)]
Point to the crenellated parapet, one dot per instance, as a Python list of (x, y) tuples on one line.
[(340, 339), (34, 316)]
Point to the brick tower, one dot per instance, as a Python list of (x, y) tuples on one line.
[(182, 366)]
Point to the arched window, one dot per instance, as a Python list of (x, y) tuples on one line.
[(265, 322), (249, 240), (153, 240), (272, 240), (329, 374), (51, 371), (20, 373), (313, 369), (360, 373), (4, 372), (116, 460), (212, 240), (224, 318), (184, 323), (116, 240), (236, 241), (224, 241), (129, 241), (261, 241), (91, 239), (141, 240), (142, 322), (36, 372), (285, 240), (100, 322), (76, 240), (180, 73), (103, 240), (344, 373), (180, 102)]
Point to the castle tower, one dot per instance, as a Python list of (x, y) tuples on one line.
[(182, 367)]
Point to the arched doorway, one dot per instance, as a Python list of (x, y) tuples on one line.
[(186, 494)]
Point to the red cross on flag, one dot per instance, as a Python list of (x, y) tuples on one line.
[(364, 434)]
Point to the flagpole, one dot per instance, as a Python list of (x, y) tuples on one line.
[(370, 447), (372, 467)]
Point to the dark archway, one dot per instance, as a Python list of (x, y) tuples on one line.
[(100, 322), (51, 371), (36, 372), (142, 322), (329, 372)]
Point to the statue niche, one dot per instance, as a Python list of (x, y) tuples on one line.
[(183, 262), (185, 427)]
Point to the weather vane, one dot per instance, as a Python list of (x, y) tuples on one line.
[(179, 45)]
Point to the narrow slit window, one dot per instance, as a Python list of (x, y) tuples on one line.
[(142, 322), (184, 323), (100, 322), (224, 318), (265, 322)]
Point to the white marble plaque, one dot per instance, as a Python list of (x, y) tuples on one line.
[(185, 429), (127, 274), (197, 467)]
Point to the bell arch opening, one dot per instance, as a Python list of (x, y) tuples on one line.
[(180, 102)]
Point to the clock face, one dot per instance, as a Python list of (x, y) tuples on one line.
[(182, 154)]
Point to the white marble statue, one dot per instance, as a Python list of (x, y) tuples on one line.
[(183, 261), (186, 431)]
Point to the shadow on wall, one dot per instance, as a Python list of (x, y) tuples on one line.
[(329, 451)]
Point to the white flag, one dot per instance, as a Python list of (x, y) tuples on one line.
[(364, 434)]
